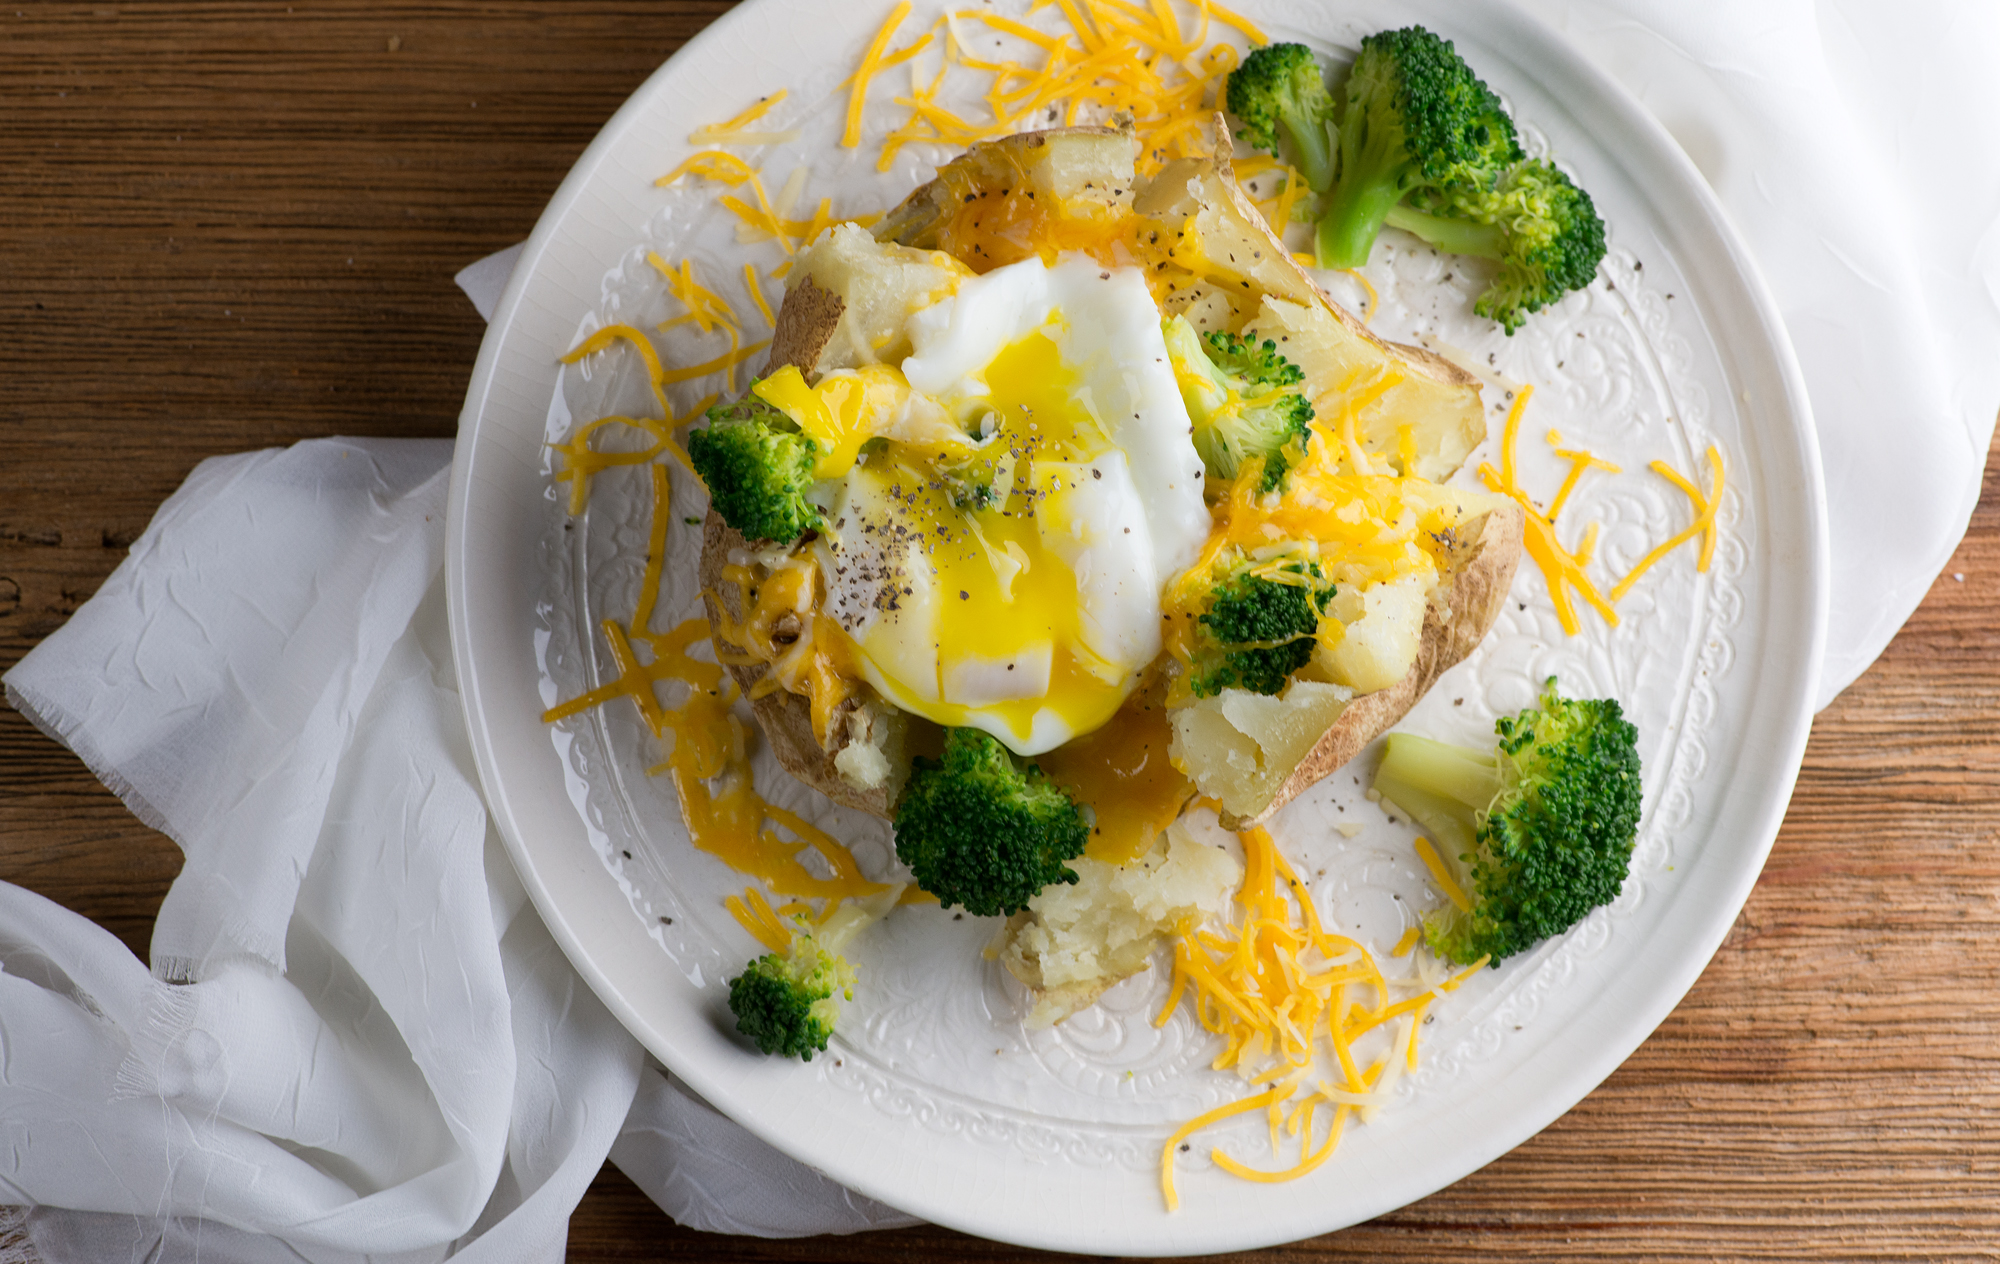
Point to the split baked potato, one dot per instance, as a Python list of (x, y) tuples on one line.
[(1209, 258)]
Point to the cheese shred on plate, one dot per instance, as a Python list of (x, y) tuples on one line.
[(1291, 999)]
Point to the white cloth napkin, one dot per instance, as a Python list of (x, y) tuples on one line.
[(1855, 147), (357, 1039)]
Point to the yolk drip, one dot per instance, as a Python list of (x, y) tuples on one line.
[(1122, 771)]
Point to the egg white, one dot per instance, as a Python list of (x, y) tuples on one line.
[(1098, 449)]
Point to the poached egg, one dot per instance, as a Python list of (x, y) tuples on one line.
[(1005, 507)]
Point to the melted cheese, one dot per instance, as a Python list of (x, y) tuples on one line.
[(580, 461), (706, 758), (780, 628)]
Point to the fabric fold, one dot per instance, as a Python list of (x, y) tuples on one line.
[(358, 1039)]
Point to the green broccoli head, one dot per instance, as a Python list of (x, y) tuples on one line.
[(1542, 228), (982, 830), (785, 1002), (1553, 243), (1541, 827), (1259, 630), (757, 467), (1244, 399), (1414, 118), (1279, 88)]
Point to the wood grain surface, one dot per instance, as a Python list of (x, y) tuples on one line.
[(229, 225)]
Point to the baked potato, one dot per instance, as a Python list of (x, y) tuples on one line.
[(1208, 256)]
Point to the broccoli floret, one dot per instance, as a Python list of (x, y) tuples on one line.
[(1542, 228), (787, 1002), (1540, 828), (1258, 631), (1414, 119), (757, 467), (1243, 398), (982, 830), (1279, 88)]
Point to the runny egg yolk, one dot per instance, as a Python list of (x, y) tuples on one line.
[(1004, 507), (847, 409), (1006, 643)]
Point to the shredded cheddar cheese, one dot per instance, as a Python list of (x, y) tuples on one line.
[(736, 131), (1441, 874), (871, 64), (1116, 59), (1703, 524), (756, 289), (1562, 570), (711, 164), (707, 310), (1290, 190), (1286, 996), (1579, 461), (1374, 299)]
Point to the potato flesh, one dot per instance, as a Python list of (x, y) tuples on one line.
[(1198, 224), (870, 746), (1382, 627), (880, 284), (1073, 941), (1238, 747), (1445, 421)]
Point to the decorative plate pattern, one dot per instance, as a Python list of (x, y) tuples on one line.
[(1674, 348)]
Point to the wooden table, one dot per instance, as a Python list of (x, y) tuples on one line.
[(229, 225)]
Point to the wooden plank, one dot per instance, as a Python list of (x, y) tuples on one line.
[(228, 225)]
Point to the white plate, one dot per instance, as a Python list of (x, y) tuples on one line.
[(933, 1099)]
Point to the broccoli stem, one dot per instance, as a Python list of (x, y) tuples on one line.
[(1443, 788), (1353, 218), (1453, 236), (1313, 146), (1468, 777)]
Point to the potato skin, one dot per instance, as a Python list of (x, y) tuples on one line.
[(805, 324), (1478, 591)]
